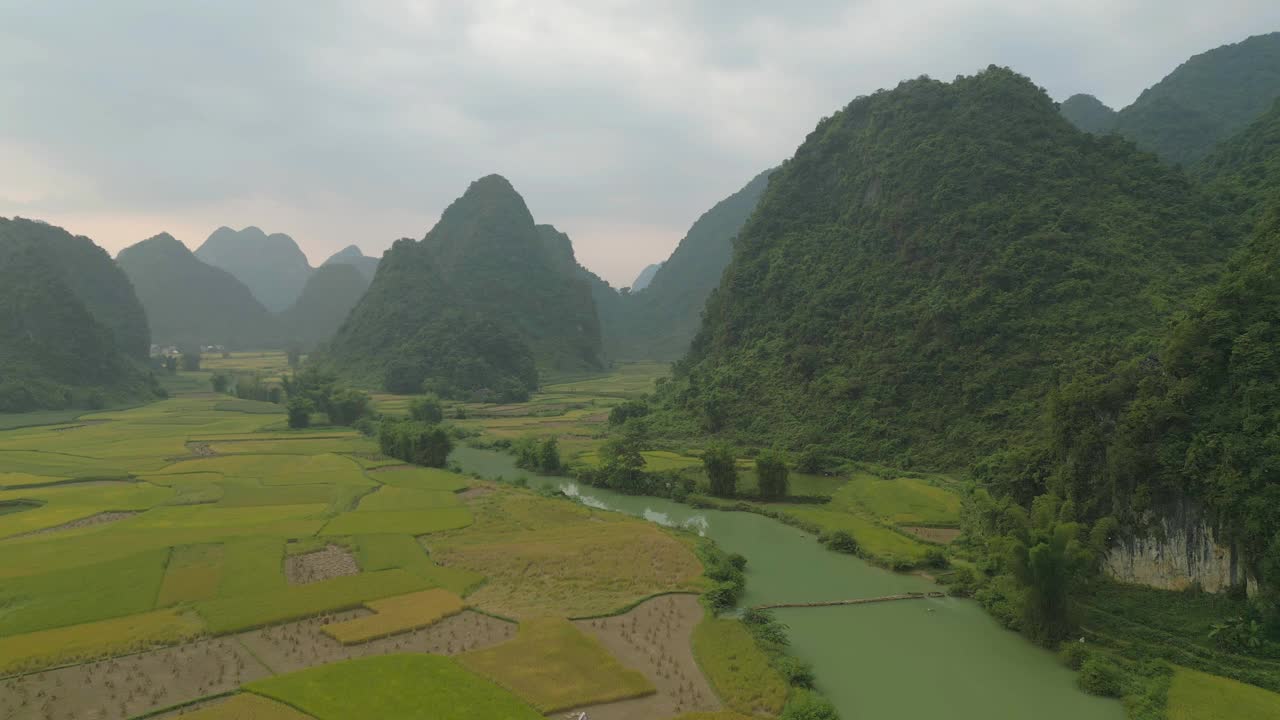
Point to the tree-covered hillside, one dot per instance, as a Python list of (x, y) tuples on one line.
[(1244, 170), (1088, 113), (352, 255), (55, 351), (271, 266), (932, 261), (412, 332), (659, 322), (496, 261), (191, 303), (1205, 100), (96, 281), (326, 300)]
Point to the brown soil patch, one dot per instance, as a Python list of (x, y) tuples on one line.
[(942, 536), (136, 684), (300, 645), (99, 519), (201, 449), (655, 638), (474, 493), (331, 562), (132, 685)]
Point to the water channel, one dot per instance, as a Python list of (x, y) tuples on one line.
[(934, 658)]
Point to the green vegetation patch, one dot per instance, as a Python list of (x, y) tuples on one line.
[(420, 478), (246, 611), (737, 668), (1199, 696), (903, 501), (395, 687), (193, 573), (877, 542), (555, 666), (125, 586), (118, 636), (412, 522), (385, 552), (399, 498)]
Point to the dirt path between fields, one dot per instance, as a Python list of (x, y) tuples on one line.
[(656, 639), (100, 519), (942, 536)]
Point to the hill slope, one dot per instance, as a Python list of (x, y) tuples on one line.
[(412, 332), (928, 264), (352, 255), (1205, 100), (1244, 170), (67, 315), (271, 266), (1088, 113), (190, 302), (663, 318), (326, 300), (495, 259)]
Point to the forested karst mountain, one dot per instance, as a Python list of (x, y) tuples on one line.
[(1088, 113), (929, 264), (326, 300), (645, 277), (1202, 102), (1244, 170), (271, 266), (69, 323), (475, 307), (1192, 423), (190, 302), (494, 257), (352, 255)]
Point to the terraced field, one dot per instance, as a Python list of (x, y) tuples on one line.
[(170, 554)]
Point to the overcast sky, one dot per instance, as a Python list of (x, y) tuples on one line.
[(342, 122)]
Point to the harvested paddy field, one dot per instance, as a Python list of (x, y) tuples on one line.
[(331, 562), (655, 639)]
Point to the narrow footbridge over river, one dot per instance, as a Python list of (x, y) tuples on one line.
[(857, 601)]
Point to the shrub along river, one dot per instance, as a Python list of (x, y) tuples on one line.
[(932, 658)]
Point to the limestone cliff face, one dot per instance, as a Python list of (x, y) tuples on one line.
[(1181, 549)]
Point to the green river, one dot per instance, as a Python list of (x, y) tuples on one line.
[(935, 658)]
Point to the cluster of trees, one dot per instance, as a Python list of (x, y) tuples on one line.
[(413, 441), (541, 456), (313, 390), (247, 386)]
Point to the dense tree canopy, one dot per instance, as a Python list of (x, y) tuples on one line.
[(931, 262), (69, 323)]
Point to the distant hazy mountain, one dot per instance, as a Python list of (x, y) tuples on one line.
[(1088, 113), (473, 308), (645, 277), (191, 302), (69, 322), (271, 266), (1202, 102), (330, 293), (659, 321), (351, 255)]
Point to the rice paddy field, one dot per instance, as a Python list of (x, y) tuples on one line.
[(197, 556)]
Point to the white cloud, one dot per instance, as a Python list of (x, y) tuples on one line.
[(338, 121)]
